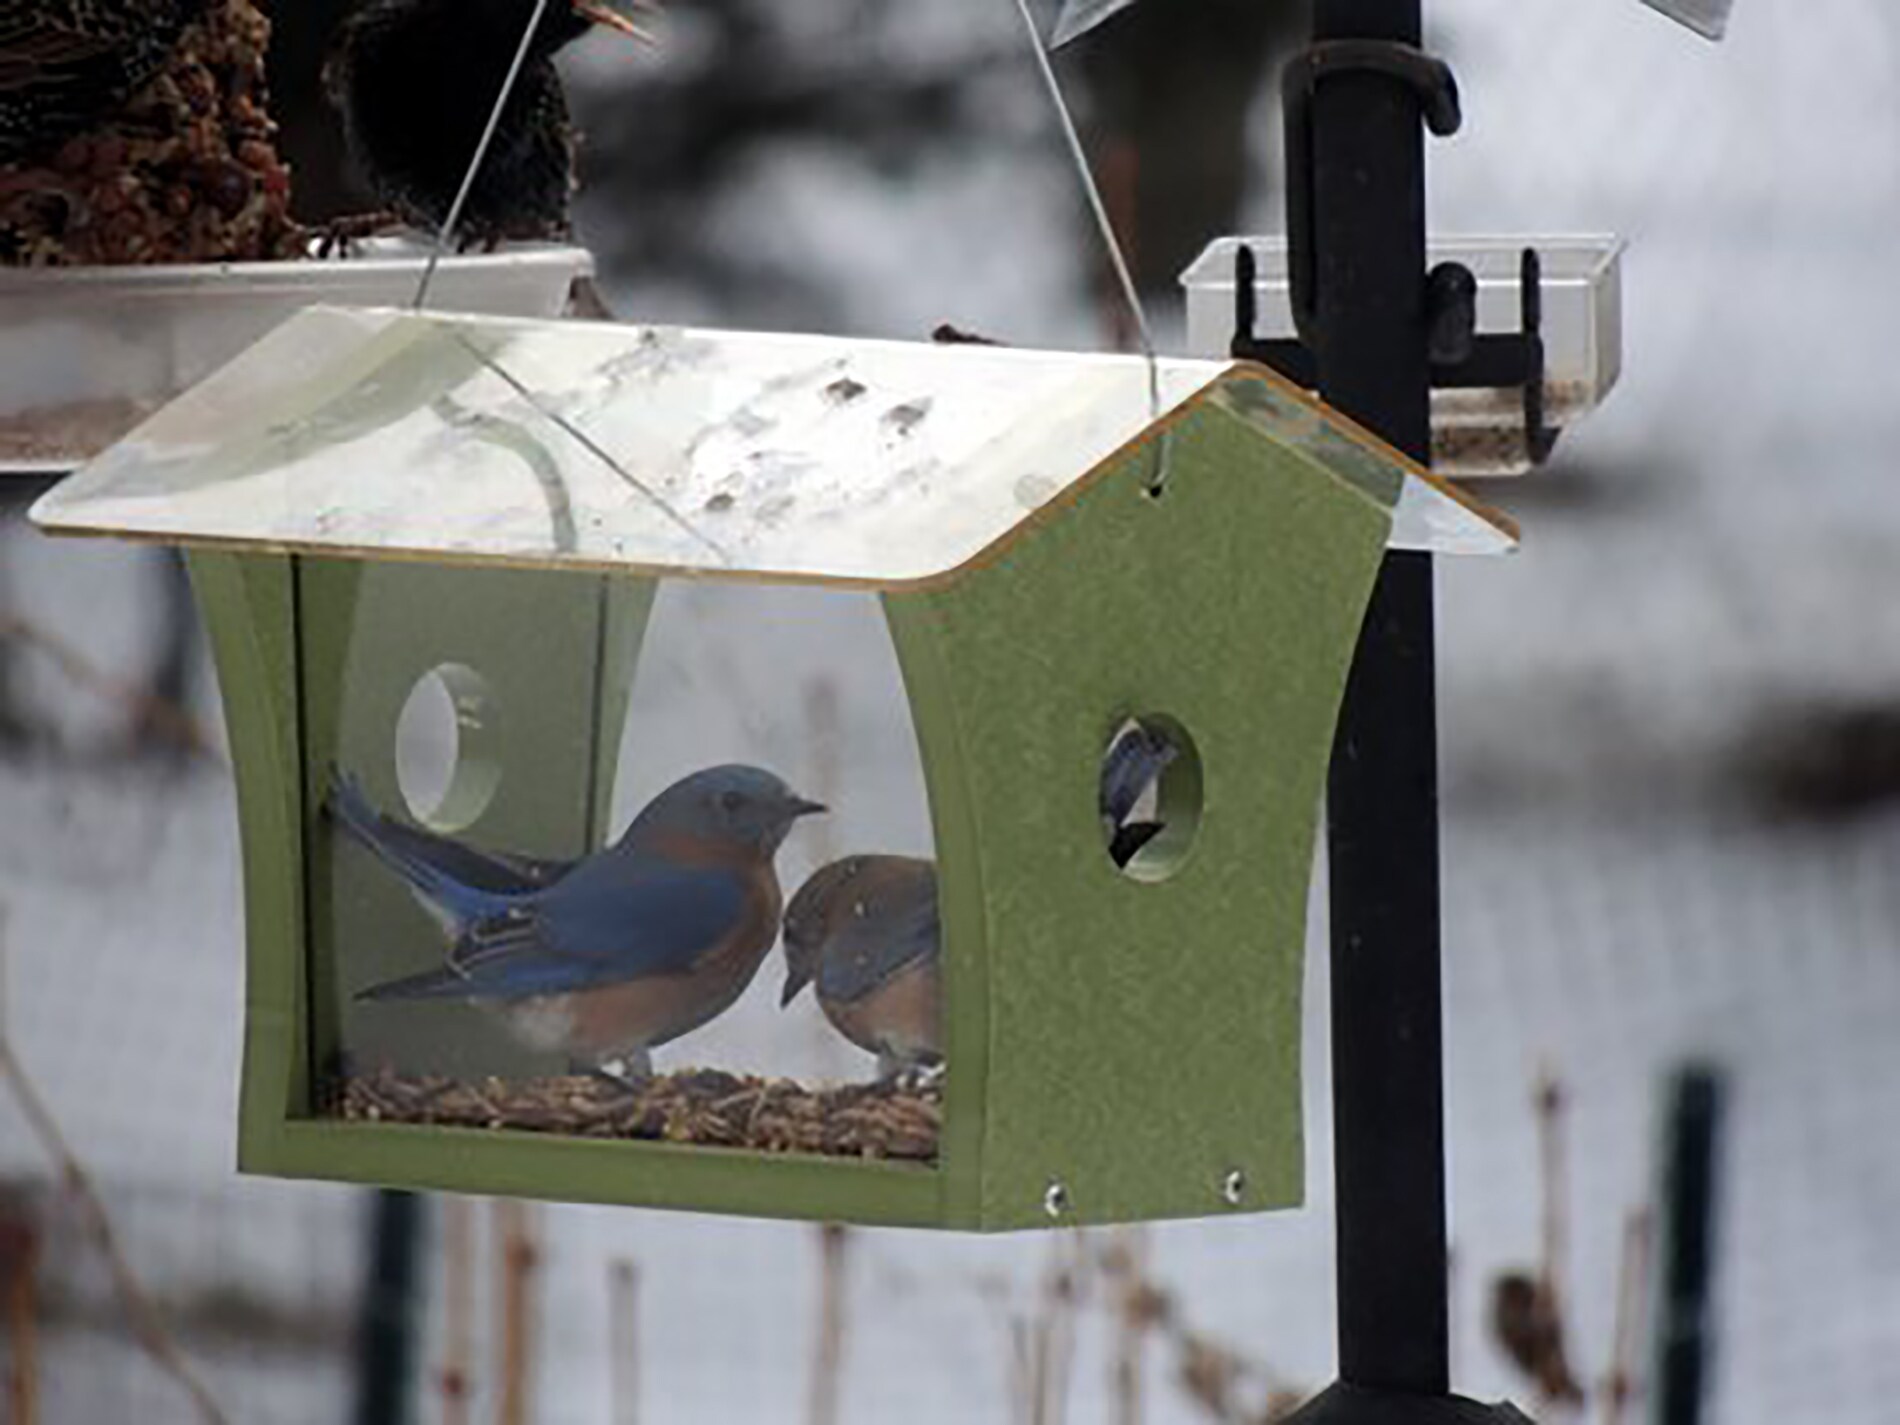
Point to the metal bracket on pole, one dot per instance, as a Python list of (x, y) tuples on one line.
[(1430, 78)]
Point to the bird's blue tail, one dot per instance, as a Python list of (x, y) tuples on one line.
[(452, 901)]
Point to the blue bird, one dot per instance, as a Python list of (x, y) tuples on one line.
[(865, 930), (1136, 759), (606, 957)]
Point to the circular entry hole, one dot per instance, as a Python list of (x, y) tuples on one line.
[(448, 747), (1149, 797)]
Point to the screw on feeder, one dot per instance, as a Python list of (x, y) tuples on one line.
[(1055, 1199), (1233, 1187)]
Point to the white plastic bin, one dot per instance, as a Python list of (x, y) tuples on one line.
[(86, 353), (1474, 432)]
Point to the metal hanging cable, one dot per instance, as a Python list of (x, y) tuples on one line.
[(1092, 191), (447, 231)]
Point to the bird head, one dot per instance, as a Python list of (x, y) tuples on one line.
[(735, 806), (808, 922)]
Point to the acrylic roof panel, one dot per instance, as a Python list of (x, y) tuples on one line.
[(395, 434)]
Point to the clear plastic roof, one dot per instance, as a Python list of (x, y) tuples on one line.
[(378, 433)]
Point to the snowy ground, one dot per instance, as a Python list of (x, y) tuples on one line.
[(1716, 556)]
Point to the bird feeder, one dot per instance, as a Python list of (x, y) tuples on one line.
[(1056, 547)]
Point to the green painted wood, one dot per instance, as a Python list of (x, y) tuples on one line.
[(1140, 1041), (246, 604), (663, 1175), (945, 752), (553, 652)]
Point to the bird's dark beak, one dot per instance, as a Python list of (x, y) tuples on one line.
[(799, 806), (795, 981), (608, 13)]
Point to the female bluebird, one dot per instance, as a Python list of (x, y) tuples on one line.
[(865, 929), (623, 950)]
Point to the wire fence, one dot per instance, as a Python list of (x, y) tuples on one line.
[(1671, 733)]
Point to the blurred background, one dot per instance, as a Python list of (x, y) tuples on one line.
[(1670, 728)]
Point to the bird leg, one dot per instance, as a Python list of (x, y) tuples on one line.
[(913, 1073), (340, 236), (629, 1072)]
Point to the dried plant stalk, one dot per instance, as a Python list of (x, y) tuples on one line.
[(453, 1377), (623, 1335), (1630, 1330), (1132, 1322), (153, 712), (148, 1327), (19, 1278), (518, 1257), (828, 1347)]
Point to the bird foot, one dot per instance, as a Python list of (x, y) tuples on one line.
[(342, 237), (910, 1075), (629, 1073)]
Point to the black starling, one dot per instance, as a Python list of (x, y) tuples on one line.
[(67, 64), (415, 81)]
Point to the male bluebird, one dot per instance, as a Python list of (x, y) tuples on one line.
[(618, 952), (865, 929), (1135, 762)]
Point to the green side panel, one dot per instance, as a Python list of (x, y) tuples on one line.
[(539, 723), (1140, 1040), (929, 680), (247, 606), (517, 1164)]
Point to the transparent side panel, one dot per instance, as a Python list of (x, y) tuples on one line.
[(598, 856)]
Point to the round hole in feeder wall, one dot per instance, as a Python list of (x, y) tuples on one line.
[(448, 741), (1149, 797)]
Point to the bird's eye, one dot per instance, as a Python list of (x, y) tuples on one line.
[(730, 801)]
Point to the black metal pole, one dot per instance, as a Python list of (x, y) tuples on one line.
[(1689, 1212), (1372, 346), (386, 1330)]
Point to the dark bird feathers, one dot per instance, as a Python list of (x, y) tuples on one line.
[(66, 65), (414, 81)]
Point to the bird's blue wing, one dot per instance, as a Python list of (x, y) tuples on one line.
[(872, 948), (606, 922), (1137, 758)]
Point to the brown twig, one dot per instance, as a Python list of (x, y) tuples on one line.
[(1064, 1286), (623, 1332), (514, 1231), (1620, 1382), (1550, 1127), (453, 1377), (1132, 1323), (148, 1326), (828, 1347), (143, 706), (19, 1280), (1226, 1385)]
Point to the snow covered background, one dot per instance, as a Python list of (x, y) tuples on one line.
[(1709, 594)]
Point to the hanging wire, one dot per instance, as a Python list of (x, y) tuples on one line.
[(447, 231), (1123, 277)]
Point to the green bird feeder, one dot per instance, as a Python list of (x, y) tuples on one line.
[(384, 506)]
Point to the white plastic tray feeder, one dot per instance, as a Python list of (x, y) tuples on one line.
[(87, 353), (1476, 431)]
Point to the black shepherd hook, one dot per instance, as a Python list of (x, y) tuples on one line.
[(1428, 77)]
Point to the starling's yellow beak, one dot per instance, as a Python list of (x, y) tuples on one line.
[(603, 12)]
